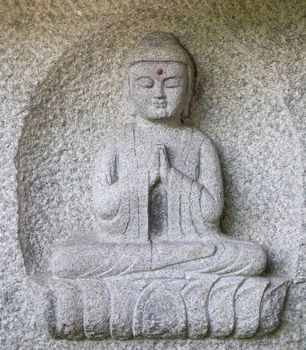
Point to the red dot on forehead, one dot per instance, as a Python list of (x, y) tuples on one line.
[(159, 71)]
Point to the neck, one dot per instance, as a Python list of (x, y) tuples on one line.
[(159, 123)]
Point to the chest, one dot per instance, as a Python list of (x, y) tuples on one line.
[(138, 151)]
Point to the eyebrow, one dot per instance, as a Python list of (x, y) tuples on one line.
[(144, 76), (163, 61), (164, 79), (174, 77)]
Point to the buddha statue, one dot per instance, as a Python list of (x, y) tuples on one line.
[(157, 189), (159, 265)]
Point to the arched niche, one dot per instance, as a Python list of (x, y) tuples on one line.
[(237, 105)]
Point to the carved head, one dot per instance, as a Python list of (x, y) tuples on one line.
[(160, 78)]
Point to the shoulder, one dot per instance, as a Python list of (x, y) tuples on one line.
[(116, 137), (206, 143)]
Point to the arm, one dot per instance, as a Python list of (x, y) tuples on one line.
[(210, 178), (206, 190), (106, 199), (113, 188)]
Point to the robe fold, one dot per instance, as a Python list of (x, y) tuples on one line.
[(122, 190)]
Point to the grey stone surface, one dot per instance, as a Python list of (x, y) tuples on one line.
[(61, 63), (159, 266)]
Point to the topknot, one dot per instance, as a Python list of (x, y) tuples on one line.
[(159, 38), (160, 47)]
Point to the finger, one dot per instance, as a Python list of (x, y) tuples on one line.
[(153, 158), (154, 163), (157, 158), (164, 156), (161, 156)]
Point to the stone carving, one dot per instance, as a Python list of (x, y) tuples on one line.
[(159, 267)]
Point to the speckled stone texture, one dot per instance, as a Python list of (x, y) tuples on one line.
[(61, 71)]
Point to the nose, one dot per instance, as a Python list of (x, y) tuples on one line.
[(158, 90)]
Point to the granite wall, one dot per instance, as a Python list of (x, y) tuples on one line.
[(61, 71)]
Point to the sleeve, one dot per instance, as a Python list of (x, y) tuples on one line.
[(201, 198), (210, 182), (110, 200), (105, 200)]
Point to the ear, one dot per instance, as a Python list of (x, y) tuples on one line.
[(130, 107), (186, 111), (128, 104)]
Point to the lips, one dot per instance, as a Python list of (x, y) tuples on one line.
[(160, 104)]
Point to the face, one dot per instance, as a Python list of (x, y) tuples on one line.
[(158, 89)]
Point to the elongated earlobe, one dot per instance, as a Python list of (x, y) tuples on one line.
[(186, 111), (130, 107), (128, 104)]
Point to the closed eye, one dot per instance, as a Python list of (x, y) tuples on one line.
[(172, 82), (145, 82)]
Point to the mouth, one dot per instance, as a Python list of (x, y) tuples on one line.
[(160, 104)]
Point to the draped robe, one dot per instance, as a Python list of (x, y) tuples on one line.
[(123, 195), (147, 225)]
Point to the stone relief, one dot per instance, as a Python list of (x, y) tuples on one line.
[(159, 267)]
